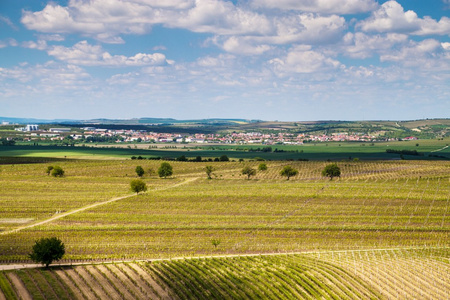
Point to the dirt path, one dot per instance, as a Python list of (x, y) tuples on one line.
[(439, 149), (65, 214)]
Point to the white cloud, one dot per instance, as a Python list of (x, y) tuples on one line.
[(236, 27), (428, 55), (391, 17), (303, 28), (320, 6), (8, 42), (220, 17), (49, 73), (100, 19), (303, 60), (85, 54), (39, 45), (360, 45)]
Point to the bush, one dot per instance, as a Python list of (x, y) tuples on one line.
[(209, 171), (248, 171), (137, 186), (288, 171), (224, 158), (165, 170), (331, 171), (262, 167), (140, 171), (57, 171), (46, 250), (49, 170)]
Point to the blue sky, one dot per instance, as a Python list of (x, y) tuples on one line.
[(254, 59)]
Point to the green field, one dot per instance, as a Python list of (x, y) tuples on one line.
[(312, 151), (353, 237)]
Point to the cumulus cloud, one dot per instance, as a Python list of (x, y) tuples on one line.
[(320, 6), (235, 27), (304, 29), (303, 59), (413, 51), (391, 17), (39, 45), (430, 55), (85, 54), (100, 19), (360, 45)]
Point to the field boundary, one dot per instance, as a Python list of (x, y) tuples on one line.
[(30, 266), (65, 214)]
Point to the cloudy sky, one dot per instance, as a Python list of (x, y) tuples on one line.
[(252, 59)]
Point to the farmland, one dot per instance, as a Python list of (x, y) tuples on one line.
[(432, 149), (333, 227)]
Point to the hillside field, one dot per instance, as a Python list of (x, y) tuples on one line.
[(352, 237)]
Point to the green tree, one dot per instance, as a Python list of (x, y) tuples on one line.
[(248, 171), (288, 171), (262, 167), (57, 171), (209, 171), (224, 158), (140, 171), (46, 250), (331, 171), (49, 170), (137, 186), (165, 170), (215, 242)]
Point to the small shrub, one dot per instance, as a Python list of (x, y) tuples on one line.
[(140, 171), (57, 171), (138, 186)]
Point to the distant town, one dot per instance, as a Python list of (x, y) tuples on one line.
[(32, 133)]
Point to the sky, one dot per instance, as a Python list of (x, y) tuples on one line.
[(286, 60)]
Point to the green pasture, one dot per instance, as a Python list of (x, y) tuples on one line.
[(312, 151), (384, 204)]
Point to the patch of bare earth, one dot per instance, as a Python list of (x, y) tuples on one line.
[(19, 287), (69, 283), (82, 285), (158, 289), (104, 283), (119, 284)]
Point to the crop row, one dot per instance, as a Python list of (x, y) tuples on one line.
[(401, 274)]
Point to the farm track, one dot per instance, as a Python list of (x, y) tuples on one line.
[(65, 214)]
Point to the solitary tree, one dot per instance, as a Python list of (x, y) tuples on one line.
[(140, 171), (248, 171), (215, 242), (49, 170), (262, 167), (224, 158), (46, 250), (165, 170), (288, 171), (331, 171), (137, 186), (57, 171), (209, 171)]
